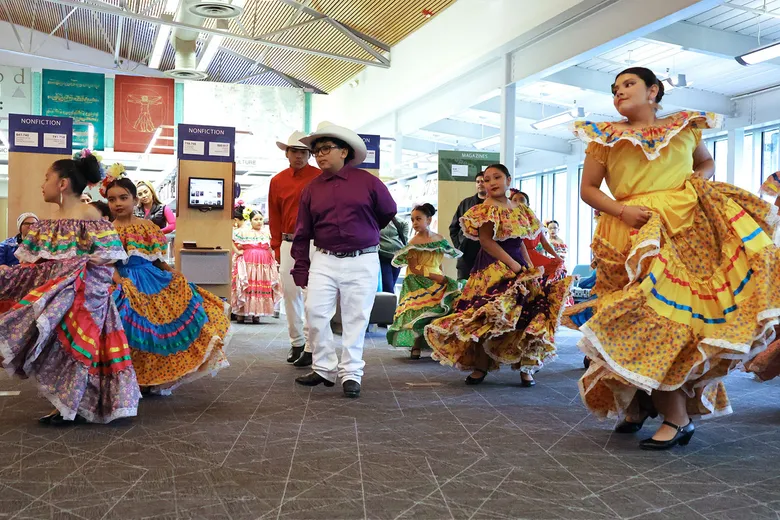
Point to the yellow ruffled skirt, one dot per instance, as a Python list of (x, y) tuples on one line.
[(682, 301)]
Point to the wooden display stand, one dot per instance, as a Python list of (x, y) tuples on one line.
[(209, 229), (26, 173)]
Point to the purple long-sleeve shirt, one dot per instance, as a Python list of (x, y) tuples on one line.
[(342, 212)]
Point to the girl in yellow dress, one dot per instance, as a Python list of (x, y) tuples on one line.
[(504, 314), (688, 278), (176, 331), (426, 293)]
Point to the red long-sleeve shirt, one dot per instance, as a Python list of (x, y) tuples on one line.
[(284, 195)]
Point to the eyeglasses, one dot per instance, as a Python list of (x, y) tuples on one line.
[(323, 150)]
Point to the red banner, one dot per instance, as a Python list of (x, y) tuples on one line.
[(141, 106)]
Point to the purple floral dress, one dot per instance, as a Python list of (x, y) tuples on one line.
[(59, 324)]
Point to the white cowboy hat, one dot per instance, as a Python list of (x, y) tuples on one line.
[(327, 129), (294, 141)]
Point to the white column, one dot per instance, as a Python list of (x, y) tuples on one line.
[(736, 144), (570, 228), (508, 105)]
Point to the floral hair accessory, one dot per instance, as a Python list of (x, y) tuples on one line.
[(86, 152), (114, 172), (247, 212), (238, 204)]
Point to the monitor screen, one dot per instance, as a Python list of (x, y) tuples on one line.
[(206, 193)]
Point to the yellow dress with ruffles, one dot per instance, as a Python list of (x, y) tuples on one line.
[(691, 294), (511, 316)]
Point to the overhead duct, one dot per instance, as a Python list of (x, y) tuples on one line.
[(184, 41)]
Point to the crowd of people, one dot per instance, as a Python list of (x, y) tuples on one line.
[(685, 287)]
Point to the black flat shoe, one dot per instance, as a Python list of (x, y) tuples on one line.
[(294, 354), (56, 419), (351, 389), (476, 380), (586, 362), (415, 353), (682, 437), (313, 379), (304, 360), (526, 383), (627, 426)]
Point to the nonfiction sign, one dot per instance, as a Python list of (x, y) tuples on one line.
[(372, 145), (80, 96), (206, 143), (40, 134), (141, 106), (464, 166)]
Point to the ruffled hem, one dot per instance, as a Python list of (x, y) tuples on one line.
[(652, 139), (152, 257), (508, 223), (440, 246), (414, 326), (103, 257)]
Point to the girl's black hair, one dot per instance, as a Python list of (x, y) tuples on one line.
[(515, 191), (238, 212), (124, 183), (647, 76), (80, 172), (103, 208), (254, 213), (500, 167), (426, 209), (553, 222), (337, 142)]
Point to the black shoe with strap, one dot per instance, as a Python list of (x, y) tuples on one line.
[(351, 389), (682, 437), (313, 379), (476, 380), (627, 426)]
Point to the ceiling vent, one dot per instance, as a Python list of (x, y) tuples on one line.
[(188, 74), (215, 9)]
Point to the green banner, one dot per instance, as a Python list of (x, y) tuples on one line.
[(80, 95), (464, 166)]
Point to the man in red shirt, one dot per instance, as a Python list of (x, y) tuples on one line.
[(284, 194)]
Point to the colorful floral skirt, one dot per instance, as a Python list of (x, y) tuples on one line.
[(511, 316), (683, 300), (176, 330), (255, 282), (422, 301), (64, 331)]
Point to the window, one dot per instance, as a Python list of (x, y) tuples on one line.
[(721, 157), (771, 153), (560, 205)]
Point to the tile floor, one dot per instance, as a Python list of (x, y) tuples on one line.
[(250, 444)]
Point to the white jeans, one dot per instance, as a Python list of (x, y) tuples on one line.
[(294, 298), (354, 282)]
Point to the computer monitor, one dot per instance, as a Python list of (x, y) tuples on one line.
[(206, 194)]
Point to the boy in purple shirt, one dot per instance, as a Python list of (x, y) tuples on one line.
[(342, 211)]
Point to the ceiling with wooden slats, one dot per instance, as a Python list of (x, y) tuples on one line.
[(284, 23)]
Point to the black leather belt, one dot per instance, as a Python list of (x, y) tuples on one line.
[(349, 254), (287, 237)]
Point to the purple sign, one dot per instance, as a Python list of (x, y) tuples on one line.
[(372, 145), (206, 143), (40, 134)]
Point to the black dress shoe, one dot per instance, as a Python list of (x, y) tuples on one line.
[(313, 379), (627, 426), (526, 383), (304, 360), (476, 380), (56, 419), (682, 437), (351, 389), (294, 354)]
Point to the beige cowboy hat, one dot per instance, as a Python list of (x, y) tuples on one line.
[(328, 129), (294, 141)]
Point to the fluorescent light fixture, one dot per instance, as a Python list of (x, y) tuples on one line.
[(487, 142), (559, 119), (160, 43), (209, 51), (767, 52)]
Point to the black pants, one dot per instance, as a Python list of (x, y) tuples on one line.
[(390, 275)]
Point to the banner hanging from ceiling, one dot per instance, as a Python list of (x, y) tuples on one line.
[(141, 106), (78, 95)]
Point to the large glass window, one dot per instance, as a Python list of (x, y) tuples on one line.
[(721, 157), (771, 155)]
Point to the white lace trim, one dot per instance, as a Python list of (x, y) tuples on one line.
[(712, 122)]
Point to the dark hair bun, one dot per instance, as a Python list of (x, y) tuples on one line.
[(89, 168), (426, 208), (255, 213)]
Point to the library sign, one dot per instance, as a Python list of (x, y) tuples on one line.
[(464, 166), (40, 134)]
